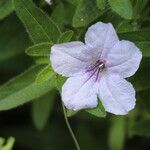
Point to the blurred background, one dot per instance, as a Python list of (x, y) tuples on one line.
[(46, 129)]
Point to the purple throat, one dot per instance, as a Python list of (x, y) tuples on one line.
[(95, 69)]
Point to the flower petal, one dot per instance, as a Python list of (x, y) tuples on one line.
[(68, 58), (79, 92), (102, 36), (116, 94), (124, 58)]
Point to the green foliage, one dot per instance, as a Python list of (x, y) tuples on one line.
[(65, 37), (140, 38), (58, 15), (142, 128), (13, 40), (99, 111), (64, 21), (42, 49), (117, 133), (6, 7), (8, 145), (39, 26), (86, 12), (101, 4), (42, 108), (45, 74), (122, 7), (23, 89)]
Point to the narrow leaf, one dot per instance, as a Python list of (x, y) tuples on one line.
[(42, 49), (42, 60), (39, 26), (101, 4), (136, 36), (65, 37), (45, 74), (13, 40), (42, 108), (23, 89), (86, 12), (6, 7), (122, 7)]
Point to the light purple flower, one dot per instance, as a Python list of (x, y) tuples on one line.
[(48, 2), (97, 68)]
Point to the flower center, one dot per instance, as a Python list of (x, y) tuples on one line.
[(96, 68)]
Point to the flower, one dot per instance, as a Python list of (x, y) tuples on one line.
[(48, 2), (97, 69)]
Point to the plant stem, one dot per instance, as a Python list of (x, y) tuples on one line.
[(69, 128)]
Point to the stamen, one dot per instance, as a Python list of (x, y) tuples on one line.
[(96, 68)]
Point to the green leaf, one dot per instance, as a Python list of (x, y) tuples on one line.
[(117, 133), (138, 6), (23, 89), (39, 26), (142, 128), (66, 36), (136, 36), (6, 7), (59, 82), (144, 47), (101, 4), (122, 7), (58, 15), (86, 12), (42, 60), (73, 2), (9, 144), (13, 39), (99, 111), (141, 80), (140, 38), (42, 109), (42, 49), (45, 74)]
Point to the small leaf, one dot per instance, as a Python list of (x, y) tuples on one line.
[(117, 133), (122, 7), (42, 49), (65, 37), (42, 60), (44, 75), (23, 89), (6, 7), (39, 26), (42, 108), (101, 4), (99, 111), (86, 12)]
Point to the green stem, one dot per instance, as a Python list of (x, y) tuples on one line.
[(69, 128)]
